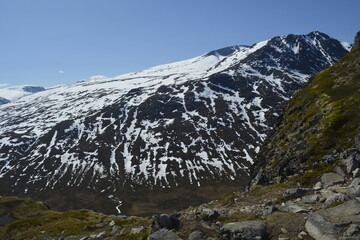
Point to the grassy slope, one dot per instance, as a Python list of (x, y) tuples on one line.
[(322, 117)]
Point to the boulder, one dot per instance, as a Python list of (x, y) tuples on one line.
[(331, 223), (209, 214), (246, 230), (293, 208), (163, 234), (330, 179), (295, 193), (354, 188), (356, 173), (338, 197), (165, 221), (351, 159), (197, 235)]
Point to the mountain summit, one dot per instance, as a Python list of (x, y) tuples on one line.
[(110, 143)]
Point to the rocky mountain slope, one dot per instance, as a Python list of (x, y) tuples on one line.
[(105, 144), (320, 119)]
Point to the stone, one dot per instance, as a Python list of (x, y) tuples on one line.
[(101, 235), (246, 230), (295, 193), (138, 230), (112, 223), (163, 234), (197, 235), (283, 238), (318, 186), (338, 197), (310, 199), (165, 221), (330, 179), (353, 230), (351, 159), (284, 230), (356, 173), (331, 223), (209, 214), (293, 208), (267, 211), (340, 171), (354, 191)]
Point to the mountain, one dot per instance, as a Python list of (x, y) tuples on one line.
[(319, 123), (13, 93), (145, 141)]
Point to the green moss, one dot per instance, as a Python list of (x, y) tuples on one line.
[(133, 221), (334, 204)]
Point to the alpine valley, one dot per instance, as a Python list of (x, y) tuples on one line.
[(164, 138)]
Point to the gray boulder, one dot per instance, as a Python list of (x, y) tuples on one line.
[(338, 197), (197, 235), (163, 234), (209, 214), (356, 173), (330, 179), (295, 193), (246, 230), (351, 159), (354, 188), (331, 223)]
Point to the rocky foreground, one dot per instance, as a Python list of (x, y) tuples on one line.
[(320, 204)]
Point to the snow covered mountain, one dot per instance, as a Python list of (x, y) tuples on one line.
[(177, 125), (13, 93)]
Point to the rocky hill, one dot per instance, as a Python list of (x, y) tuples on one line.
[(110, 144)]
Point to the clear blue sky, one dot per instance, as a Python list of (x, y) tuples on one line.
[(51, 42)]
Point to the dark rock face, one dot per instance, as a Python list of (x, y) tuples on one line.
[(3, 100), (33, 89), (179, 125), (357, 39)]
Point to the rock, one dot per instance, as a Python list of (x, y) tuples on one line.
[(331, 223), (330, 179), (340, 171), (356, 173), (295, 193), (301, 235), (354, 188), (101, 235), (246, 230), (84, 238), (338, 197), (284, 230), (112, 223), (311, 199), (138, 230), (197, 235), (318, 186), (121, 217), (267, 211), (353, 230), (163, 234), (293, 208), (354, 191), (165, 221), (209, 214), (283, 238), (351, 159)]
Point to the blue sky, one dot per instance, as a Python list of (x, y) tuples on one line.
[(51, 42)]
